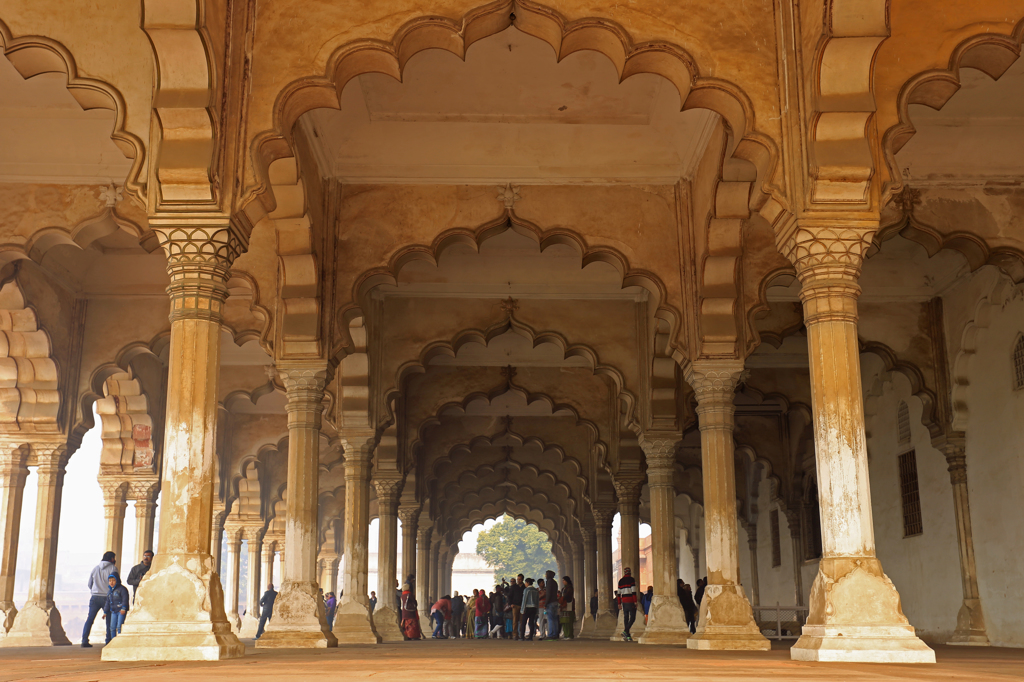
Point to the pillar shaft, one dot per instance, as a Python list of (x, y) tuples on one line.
[(13, 474), (353, 623), (796, 542), (726, 619), (299, 619), (178, 612), (409, 516), (39, 623), (267, 561), (627, 489), (755, 588), (386, 616), (435, 557), (231, 578), (970, 620), (828, 256), (605, 625), (423, 571), (250, 621), (216, 541), (115, 503), (144, 495), (666, 622)]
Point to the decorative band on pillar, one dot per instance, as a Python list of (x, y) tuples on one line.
[(199, 257)]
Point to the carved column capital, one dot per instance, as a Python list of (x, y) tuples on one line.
[(304, 385), (143, 492), (627, 490), (589, 536), (13, 466), (660, 454), (200, 249), (423, 536), (714, 382), (603, 516), (115, 496), (233, 535), (409, 516), (956, 461), (389, 489), (252, 534)]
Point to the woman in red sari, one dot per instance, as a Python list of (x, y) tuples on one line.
[(410, 616)]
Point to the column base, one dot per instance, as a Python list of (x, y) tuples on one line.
[(666, 623), (299, 620), (855, 617), (7, 614), (354, 625), (727, 622), (250, 624), (38, 624), (603, 628), (970, 626), (636, 632), (385, 622), (236, 622), (178, 615)]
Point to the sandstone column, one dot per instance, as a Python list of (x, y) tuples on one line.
[(855, 612), (144, 495), (589, 580), (231, 583), (627, 489), (726, 619), (385, 616), (409, 516), (13, 473), (267, 569), (251, 620), (442, 572), (115, 503), (217, 541), (423, 572), (299, 619), (179, 610), (666, 623), (755, 589), (329, 571), (605, 625), (38, 623), (578, 581), (796, 542), (353, 623), (970, 621)]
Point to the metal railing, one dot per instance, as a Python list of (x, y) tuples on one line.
[(780, 622)]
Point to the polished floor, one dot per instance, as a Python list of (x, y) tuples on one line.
[(479, 661)]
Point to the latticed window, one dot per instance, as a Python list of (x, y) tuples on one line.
[(911, 495), (776, 542), (903, 423), (1018, 363)]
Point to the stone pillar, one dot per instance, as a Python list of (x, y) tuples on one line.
[(666, 622), (216, 541), (115, 503), (353, 623), (423, 573), (231, 577), (970, 621), (627, 489), (435, 552), (385, 616), (589, 579), (13, 473), (605, 625), (329, 571), (578, 581), (178, 612), (267, 568), (144, 494), (796, 542), (755, 588), (251, 620), (443, 574), (38, 623), (855, 612), (726, 619), (409, 516), (299, 620)]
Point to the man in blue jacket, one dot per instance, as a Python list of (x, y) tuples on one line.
[(116, 607)]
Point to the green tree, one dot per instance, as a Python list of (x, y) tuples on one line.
[(513, 546)]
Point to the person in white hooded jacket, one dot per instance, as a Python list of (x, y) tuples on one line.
[(98, 588)]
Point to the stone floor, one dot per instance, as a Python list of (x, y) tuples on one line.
[(493, 660)]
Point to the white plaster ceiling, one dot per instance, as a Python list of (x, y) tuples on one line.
[(977, 136), (45, 136), (508, 113)]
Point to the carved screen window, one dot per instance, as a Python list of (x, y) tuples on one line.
[(903, 424), (1018, 363), (773, 518), (911, 495)]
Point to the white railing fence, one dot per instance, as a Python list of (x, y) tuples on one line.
[(780, 622)]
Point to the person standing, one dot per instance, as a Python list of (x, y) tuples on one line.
[(567, 605), (689, 606), (593, 605), (515, 595), (440, 612), (266, 609), (116, 606), (330, 606), (528, 609), (645, 600), (139, 571), (410, 617), (99, 587), (373, 602), (458, 616), (551, 603), (627, 599), (701, 584), (482, 609)]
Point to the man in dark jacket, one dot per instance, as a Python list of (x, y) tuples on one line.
[(627, 599), (551, 603), (139, 571), (593, 605), (458, 616), (116, 606), (689, 606), (266, 609), (701, 584), (515, 595)]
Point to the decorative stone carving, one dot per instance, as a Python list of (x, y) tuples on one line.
[(508, 195)]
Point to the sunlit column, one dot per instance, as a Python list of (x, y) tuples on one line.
[(627, 489), (13, 474), (253, 544), (144, 494), (604, 627), (115, 503), (231, 582), (423, 572), (385, 615)]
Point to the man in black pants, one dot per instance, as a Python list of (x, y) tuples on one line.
[(627, 597)]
